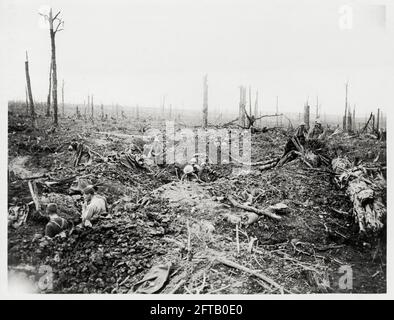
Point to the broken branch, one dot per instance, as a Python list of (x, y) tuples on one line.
[(252, 209), (250, 271), (33, 192)]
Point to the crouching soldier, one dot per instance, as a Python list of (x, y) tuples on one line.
[(316, 130), (191, 170), (301, 133), (299, 137), (93, 206), (81, 151), (56, 224)]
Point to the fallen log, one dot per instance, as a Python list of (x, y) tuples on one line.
[(250, 271), (265, 212), (268, 166), (365, 192), (45, 175), (286, 158)]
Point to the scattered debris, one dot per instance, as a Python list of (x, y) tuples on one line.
[(228, 230)]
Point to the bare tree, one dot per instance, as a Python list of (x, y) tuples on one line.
[(250, 100), (48, 113), (306, 115), (354, 118), (27, 101), (63, 98), (163, 107), (88, 105), (52, 33), (344, 119), (91, 101), (242, 106), (78, 113), (28, 83), (349, 120), (256, 107), (205, 102)]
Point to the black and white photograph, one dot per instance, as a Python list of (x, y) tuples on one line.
[(182, 148)]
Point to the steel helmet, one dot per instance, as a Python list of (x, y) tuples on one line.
[(188, 169)]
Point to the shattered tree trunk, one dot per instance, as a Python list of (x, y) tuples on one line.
[(92, 108), (367, 123), (28, 83), (205, 103), (163, 107), (63, 98), (373, 123), (306, 116), (256, 107), (242, 106), (54, 70), (78, 115), (345, 116), (250, 101), (87, 106), (27, 101), (48, 113), (365, 192), (354, 118), (349, 121)]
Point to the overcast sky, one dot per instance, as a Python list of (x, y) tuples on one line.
[(134, 52)]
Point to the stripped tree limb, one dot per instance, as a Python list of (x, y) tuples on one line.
[(258, 163), (33, 192), (250, 271), (252, 209), (45, 175)]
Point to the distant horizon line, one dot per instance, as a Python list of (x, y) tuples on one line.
[(215, 111)]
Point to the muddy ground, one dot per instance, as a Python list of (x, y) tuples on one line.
[(153, 214)]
